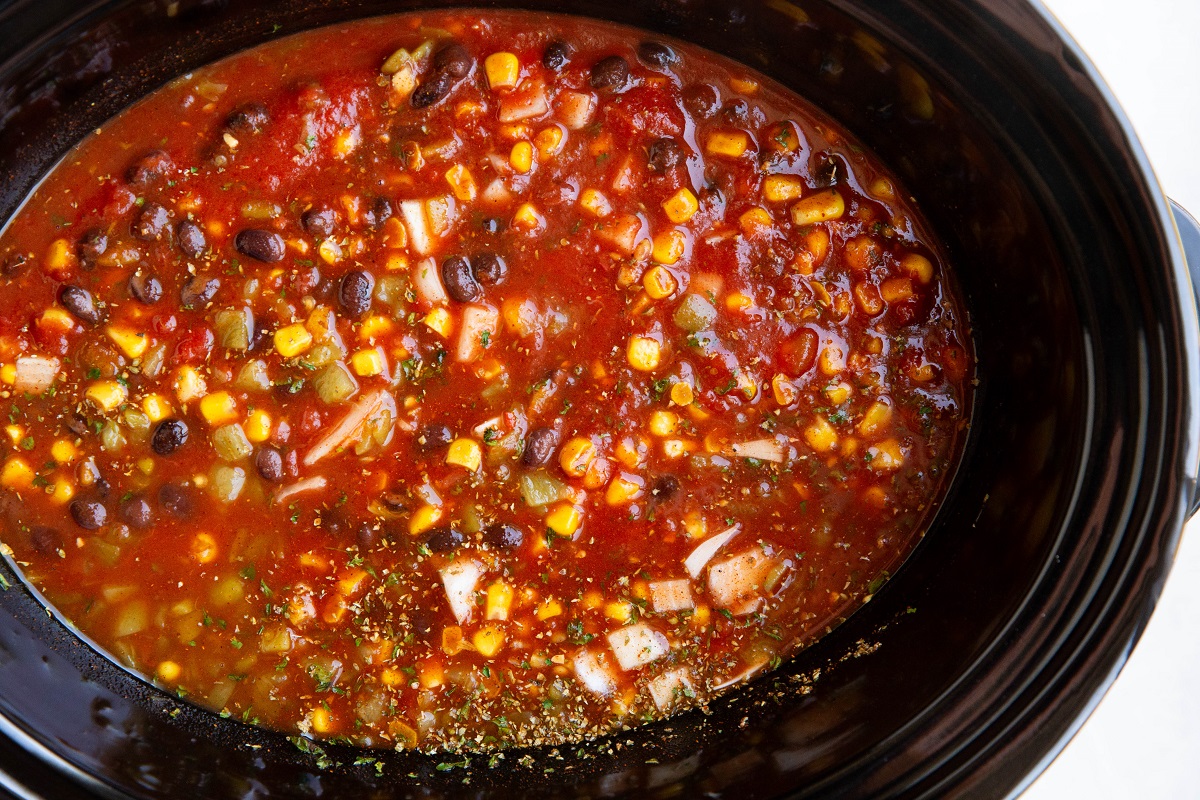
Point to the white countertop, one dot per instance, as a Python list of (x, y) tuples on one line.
[(1143, 741)]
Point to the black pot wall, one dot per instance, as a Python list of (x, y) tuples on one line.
[(969, 669)]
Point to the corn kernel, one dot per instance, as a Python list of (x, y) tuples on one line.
[(877, 415), (392, 677), (352, 581), (106, 395), (755, 222), (886, 456), (659, 283), (681, 206), (396, 261), (465, 453), (515, 131), (727, 143), (8, 373), (292, 340), (431, 675), (819, 207), (63, 451), (367, 363), (619, 610), (499, 601), (15, 432), (321, 720), (550, 141), (664, 423), (695, 525), (60, 256), (16, 474), (832, 360), (744, 85), (258, 426), (564, 520), (145, 465), (423, 519), (313, 561), (346, 141), (488, 640), (669, 247), (131, 343), (736, 301), (700, 617), (440, 321), (631, 453), (520, 158), (643, 353), (189, 385), (917, 266), (820, 435), (624, 489), (168, 671), (896, 290), (526, 218), (55, 318), (63, 491), (329, 251), (548, 609), (503, 70), (157, 407), (204, 548), (677, 448), (838, 393), (462, 183), (682, 394), (784, 390), (218, 408), (373, 327), (782, 188), (576, 456), (595, 203)]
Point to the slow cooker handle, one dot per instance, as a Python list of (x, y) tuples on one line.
[(1189, 236)]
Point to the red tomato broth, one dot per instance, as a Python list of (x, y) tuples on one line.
[(812, 395)]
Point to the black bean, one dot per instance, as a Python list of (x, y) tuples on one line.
[(151, 223), (394, 501), (557, 54), (176, 500), (14, 264), (491, 225), (137, 512), (45, 540), (460, 280), (666, 487), (433, 437), (539, 447), (365, 535), (145, 288), (610, 74), (250, 118), (198, 290), (454, 59), (79, 302), (736, 111), (433, 89), (190, 237), (269, 464), (701, 100), (657, 55), (318, 222), (440, 540), (260, 245), (354, 292), (825, 169), (379, 213), (490, 269), (503, 537), (421, 621), (169, 436), (149, 168), (90, 247), (664, 155), (88, 514), (78, 424)]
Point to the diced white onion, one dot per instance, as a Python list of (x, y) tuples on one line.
[(427, 282), (418, 228), (635, 646), (666, 689), (595, 677), (348, 429), (35, 374), (478, 322), (672, 595), (460, 579), (761, 449), (736, 583), (705, 551), (299, 487)]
